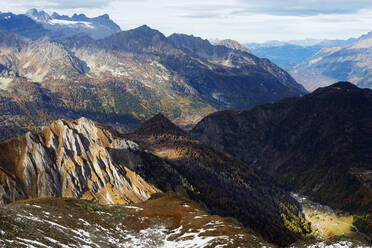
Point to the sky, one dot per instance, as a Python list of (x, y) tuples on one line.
[(242, 20)]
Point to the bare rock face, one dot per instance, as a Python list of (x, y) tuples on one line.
[(79, 160)]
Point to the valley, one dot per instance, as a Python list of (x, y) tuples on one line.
[(132, 137)]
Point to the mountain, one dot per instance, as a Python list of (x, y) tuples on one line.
[(226, 186), (125, 78), (349, 62), (169, 220), (318, 144), (65, 26)]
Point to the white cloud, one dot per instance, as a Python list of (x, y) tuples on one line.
[(243, 20)]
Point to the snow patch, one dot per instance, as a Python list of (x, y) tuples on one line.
[(69, 23), (4, 82)]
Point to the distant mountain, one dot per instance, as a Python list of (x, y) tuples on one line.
[(37, 24), (224, 184), (349, 62), (287, 55), (129, 76), (318, 144), (64, 26), (22, 25), (303, 43), (293, 56)]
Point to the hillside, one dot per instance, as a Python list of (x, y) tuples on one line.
[(226, 186), (318, 144)]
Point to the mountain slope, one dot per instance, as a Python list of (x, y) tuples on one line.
[(224, 184), (318, 144), (164, 221), (84, 161)]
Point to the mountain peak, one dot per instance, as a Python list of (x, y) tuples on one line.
[(104, 16), (343, 85), (158, 124), (337, 87), (233, 44)]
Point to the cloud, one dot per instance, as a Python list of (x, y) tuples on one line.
[(65, 4), (243, 20), (304, 7), (273, 7)]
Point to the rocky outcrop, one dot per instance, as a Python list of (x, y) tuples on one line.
[(81, 160)]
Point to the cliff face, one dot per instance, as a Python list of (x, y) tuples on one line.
[(80, 160)]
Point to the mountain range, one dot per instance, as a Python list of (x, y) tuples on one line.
[(317, 63), (127, 77), (349, 62)]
